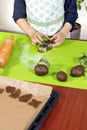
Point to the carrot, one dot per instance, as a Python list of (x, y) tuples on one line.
[(5, 50)]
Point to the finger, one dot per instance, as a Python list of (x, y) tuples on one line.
[(57, 40), (40, 38), (53, 38), (33, 41), (37, 40), (46, 36), (57, 44)]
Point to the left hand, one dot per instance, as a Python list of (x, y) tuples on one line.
[(58, 38)]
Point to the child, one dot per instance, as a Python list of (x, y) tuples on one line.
[(52, 19)]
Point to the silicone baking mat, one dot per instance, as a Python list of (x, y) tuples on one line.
[(25, 56)]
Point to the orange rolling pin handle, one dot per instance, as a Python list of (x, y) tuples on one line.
[(5, 50)]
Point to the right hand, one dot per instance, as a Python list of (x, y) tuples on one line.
[(36, 36)]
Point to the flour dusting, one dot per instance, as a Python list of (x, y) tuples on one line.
[(30, 60)]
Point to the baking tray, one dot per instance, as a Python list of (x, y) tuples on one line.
[(45, 111)]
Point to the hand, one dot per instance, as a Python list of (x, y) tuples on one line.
[(36, 37), (58, 38)]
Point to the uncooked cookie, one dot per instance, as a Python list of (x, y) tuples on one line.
[(77, 70), (62, 76), (34, 103), (41, 70), (15, 94), (42, 67), (1, 90), (10, 89), (25, 98)]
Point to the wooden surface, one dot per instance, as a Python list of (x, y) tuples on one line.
[(69, 112)]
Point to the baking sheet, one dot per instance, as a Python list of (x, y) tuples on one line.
[(25, 56), (16, 115)]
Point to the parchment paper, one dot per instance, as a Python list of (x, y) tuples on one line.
[(16, 115)]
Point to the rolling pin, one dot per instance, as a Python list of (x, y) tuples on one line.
[(5, 50)]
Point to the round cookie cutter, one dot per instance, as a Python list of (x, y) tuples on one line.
[(44, 62)]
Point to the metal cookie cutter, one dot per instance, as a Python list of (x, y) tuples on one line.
[(45, 46)]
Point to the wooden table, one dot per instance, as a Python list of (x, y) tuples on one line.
[(69, 112)]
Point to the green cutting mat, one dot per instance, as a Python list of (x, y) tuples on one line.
[(25, 56)]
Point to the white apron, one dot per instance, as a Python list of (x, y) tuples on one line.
[(45, 16)]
